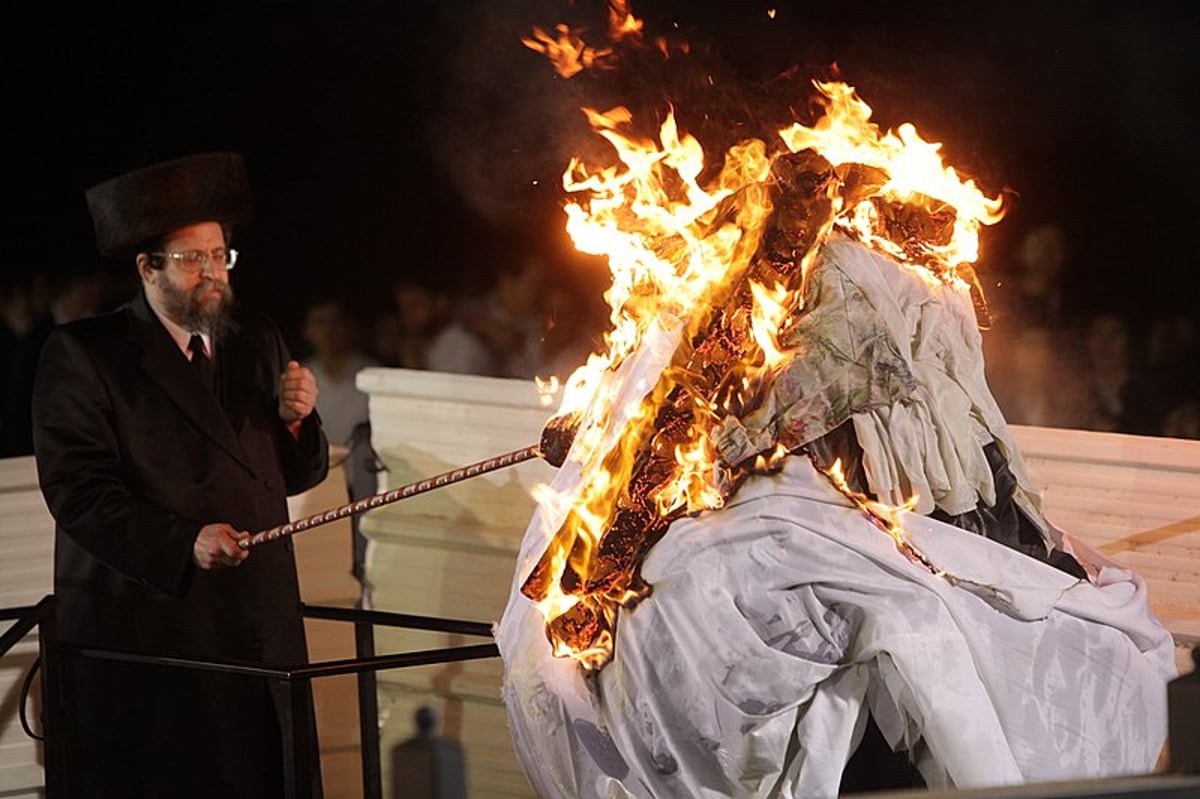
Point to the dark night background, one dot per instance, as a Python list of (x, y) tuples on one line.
[(415, 136)]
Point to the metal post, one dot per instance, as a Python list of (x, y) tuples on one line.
[(54, 753), (298, 735), (1183, 719), (287, 729), (368, 713)]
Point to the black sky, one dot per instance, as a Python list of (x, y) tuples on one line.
[(419, 136)]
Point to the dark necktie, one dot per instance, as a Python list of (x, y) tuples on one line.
[(201, 364)]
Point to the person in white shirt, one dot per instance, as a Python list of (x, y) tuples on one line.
[(336, 360)]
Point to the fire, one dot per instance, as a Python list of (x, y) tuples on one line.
[(699, 298), (622, 22), (911, 170), (671, 254), (566, 50), (771, 308), (570, 55), (546, 389), (693, 489), (888, 518)]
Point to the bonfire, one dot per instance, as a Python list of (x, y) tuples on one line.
[(712, 280)]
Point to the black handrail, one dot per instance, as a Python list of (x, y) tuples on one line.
[(27, 618), (44, 617), (388, 619), (326, 668), (296, 682), (364, 644), (7, 614)]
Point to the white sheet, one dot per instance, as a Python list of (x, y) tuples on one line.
[(777, 622)]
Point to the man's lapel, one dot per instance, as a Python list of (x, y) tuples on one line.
[(166, 366)]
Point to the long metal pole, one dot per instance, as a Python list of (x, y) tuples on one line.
[(395, 495)]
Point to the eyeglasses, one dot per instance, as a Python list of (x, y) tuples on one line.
[(196, 261)]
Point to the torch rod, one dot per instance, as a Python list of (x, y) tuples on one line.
[(395, 495)]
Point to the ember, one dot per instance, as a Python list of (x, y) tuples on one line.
[(567, 50)]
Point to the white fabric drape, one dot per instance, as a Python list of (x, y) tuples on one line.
[(777, 622)]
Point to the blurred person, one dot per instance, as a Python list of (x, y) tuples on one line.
[(1183, 420), (18, 305), (1033, 387), (510, 319), (1166, 375), (574, 330), (1106, 374), (78, 293), (24, 302), (1043, 259), (388, 340), (1030, 293), (15, 319), (431, 336), (335, 362), (164, 431)]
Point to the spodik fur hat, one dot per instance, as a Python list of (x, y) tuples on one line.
[(138, 206)]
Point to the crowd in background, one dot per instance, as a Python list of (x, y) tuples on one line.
[(31, 305), (524, 325), (1094, 369), (1103, 371)]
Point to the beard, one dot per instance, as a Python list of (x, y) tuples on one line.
[(194, 310)]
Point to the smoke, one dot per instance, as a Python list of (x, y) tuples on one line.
[(507, 125)]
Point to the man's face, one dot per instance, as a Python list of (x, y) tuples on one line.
[(199, 301)]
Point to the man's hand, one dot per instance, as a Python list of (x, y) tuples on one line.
[(216, 547), (297, 394)]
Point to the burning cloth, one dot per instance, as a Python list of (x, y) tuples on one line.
[(780, 621)]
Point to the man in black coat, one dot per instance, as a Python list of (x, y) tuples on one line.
[(165, 432)]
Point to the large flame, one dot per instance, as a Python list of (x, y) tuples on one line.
[(912, 170), (669, 254), (683, 254)]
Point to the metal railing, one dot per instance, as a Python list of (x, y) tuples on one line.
[(298, 730), (299, 735), (44, 617)]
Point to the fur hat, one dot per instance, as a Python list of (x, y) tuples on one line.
[(149, 202)]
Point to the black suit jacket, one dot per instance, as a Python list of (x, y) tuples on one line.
[(134, 456)]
